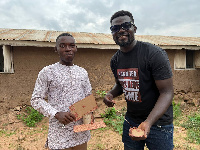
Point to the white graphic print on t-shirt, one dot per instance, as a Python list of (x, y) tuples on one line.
[(129, 79)]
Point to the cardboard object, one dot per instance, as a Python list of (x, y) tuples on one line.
[(87, 119), (85, 127), (136, 132), (83, 107)]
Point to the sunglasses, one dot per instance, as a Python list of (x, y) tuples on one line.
[(125, 26)]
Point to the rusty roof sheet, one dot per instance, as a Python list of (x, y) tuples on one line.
[(91, 38), (169, 40)]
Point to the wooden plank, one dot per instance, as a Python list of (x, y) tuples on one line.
[(7, 54), (197, 59), (180, 59)]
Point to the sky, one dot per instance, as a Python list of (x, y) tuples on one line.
[(152, 17)]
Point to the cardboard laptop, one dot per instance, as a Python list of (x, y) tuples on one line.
[(83, 107)]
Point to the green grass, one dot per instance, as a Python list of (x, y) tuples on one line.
[(2, 132), (191, 123), (100, 146), (177, 113), (193, 127), (7, 132), (31, 118)]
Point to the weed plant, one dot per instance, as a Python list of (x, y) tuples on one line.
[(193, 127), (31, 117), (114, 119), (101, 93)]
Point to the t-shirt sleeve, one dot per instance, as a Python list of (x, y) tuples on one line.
[(160, 65), (113, 65)]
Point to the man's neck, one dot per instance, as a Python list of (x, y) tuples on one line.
[(66, 63), (128, 48)]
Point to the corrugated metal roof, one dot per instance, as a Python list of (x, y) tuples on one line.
[(50, 36), (169, 40), (92, 38)]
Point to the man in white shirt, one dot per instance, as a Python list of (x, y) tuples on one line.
[(64, 84)]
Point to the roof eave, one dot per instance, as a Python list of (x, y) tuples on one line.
[(52, 44)]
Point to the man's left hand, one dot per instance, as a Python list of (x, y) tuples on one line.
[(143, 131)]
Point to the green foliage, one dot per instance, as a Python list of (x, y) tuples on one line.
[(31, 118), (101, 93), (176, 110), (114, 120), (177, 113), (110, 113), (193, 127)]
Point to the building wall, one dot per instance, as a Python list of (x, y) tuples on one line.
[(16, 89), (186, 80), (97, 63)]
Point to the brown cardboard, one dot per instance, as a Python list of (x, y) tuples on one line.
[(83, 106)]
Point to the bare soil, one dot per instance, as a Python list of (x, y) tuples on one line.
[(15, 135)]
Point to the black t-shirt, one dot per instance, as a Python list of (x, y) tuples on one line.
[(137, 71)]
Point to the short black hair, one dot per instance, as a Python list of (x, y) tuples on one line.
[(121, 13), (63, 34)]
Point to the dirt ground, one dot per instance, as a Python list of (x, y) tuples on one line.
[(14, 135)]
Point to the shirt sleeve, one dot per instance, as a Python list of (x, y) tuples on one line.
[(160, 66), (38, 101), (113, 64), (86, 85)]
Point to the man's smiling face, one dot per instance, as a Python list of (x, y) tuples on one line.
[(124, 37)]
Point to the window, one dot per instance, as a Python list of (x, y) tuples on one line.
[(6, 59), (186, 59), (1, 59), (189, 59)]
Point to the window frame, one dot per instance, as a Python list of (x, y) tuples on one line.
[(8, 66), (180, 61)]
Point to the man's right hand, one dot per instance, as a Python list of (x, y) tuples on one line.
[(65, 117), (108, 100)]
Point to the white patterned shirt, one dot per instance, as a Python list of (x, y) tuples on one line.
[(63, 86)]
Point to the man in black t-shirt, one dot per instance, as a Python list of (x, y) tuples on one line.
[(142, 72)]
